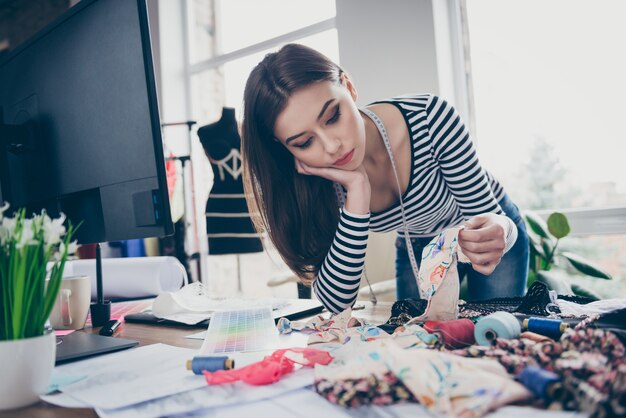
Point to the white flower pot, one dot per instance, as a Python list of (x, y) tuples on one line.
[(26, 366)]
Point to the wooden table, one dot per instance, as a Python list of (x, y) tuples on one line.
[(150, 334)]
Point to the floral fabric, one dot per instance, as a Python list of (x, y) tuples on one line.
[(444, 383), (590, 362), (438, 277)]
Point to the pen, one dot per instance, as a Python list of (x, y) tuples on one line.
[(110, 327)]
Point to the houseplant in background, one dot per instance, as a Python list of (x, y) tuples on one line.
[(552, 266), (27, 348)]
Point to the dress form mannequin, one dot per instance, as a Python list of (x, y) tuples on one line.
[(229, 227)]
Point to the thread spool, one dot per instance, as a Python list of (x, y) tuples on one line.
[(552, 328), (454, 334), (210, 364), (496, 325), (544, 384)]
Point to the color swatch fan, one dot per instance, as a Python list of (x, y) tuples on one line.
[(241, 330)]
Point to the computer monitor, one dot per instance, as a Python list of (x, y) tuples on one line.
[(79, 124), (80, 133)]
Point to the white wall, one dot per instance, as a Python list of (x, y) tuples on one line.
[(389, 48)]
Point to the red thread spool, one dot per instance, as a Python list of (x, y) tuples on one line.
[(455, 334)]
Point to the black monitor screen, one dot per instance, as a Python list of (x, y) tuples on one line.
[(80, 124)]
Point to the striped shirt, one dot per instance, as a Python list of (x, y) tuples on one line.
[(447, 186)]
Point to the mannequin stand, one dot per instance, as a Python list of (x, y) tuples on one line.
[(189, 225)]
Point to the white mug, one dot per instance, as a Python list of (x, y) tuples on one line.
[(72, 303)]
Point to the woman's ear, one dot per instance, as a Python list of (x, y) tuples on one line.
[(345, 80)]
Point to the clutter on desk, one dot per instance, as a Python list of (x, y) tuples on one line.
[(134, 379), (542, 353), (465, 359)]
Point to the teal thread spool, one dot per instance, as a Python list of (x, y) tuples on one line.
[(210, 364), (544, 384), (552, 328), (496, 325)]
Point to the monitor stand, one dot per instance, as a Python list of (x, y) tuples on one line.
[(101, 309)]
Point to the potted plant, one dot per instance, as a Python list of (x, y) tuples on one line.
[(549, 264), (27, 347)]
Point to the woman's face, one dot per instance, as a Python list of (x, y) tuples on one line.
[(322, 127)]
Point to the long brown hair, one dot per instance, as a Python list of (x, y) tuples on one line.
[(300, 213)]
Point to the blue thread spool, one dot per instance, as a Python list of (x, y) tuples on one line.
[(544, 384), (552, 328), (210, 364), (496, 325)]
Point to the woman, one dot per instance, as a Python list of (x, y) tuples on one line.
[(303, 136)]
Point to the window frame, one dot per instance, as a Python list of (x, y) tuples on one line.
[(604, 220)]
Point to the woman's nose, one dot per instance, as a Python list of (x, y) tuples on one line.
[(332, 145)]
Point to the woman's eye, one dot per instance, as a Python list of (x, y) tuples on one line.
[(305, 144), (334, 117)]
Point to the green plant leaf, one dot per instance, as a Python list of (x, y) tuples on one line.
[(583, 291), (555, 281), (546, 248), (536, 224), (535, 248), (558, 225), (586, 267)]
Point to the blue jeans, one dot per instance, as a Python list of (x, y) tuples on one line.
[(507, 280)]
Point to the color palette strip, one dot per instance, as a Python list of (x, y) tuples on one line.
[(240, 330)]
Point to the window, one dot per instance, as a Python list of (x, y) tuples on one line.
[(548, 87), (226, 39), (549, 84)]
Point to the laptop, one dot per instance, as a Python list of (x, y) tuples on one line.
[(79, 345), (287, 308)]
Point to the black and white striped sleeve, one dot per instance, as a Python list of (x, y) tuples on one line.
[(337, 282), (456, 156)]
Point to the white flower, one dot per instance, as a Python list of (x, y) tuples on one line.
[(7, 229), (3, 209), (53, 229), (71, 248), (28, 234)]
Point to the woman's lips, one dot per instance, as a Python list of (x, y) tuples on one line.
[(345, 159)]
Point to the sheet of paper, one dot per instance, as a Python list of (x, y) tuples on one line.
[(213, 397), (132, 376), (63, 400), (303, 403), (58, 380), (241, 330)]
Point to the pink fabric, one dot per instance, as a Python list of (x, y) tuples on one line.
[(271, 368)]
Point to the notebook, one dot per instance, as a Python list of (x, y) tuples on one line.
[(288, 308), (79, 345)]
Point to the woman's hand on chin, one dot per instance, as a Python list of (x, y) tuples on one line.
[(356, 182), (483, 241), (347, 178)]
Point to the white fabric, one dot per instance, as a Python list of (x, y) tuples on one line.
[(598, 307)]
